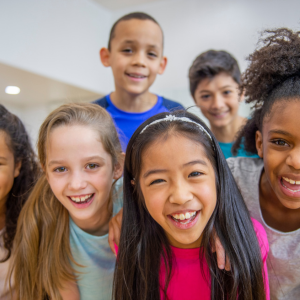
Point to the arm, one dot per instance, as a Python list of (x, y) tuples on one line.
[(114, 230), (70, 291)]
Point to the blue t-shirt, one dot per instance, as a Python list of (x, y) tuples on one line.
[(127, 122), (95, 278), (226, 149)]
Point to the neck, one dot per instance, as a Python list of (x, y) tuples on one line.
[(2, 213), (275, 214), (98, 224), (227, 134), (133, 102)]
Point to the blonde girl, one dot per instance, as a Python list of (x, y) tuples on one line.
[(61, 249)]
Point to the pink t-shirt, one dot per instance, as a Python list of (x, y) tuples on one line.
[(187, 281)]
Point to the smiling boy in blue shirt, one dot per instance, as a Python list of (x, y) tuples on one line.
[(135, 55)]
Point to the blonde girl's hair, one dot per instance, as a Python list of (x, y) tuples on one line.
[(41, 261)]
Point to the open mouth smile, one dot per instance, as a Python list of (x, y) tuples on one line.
[(82, 201), (290, 187), (185, 220)]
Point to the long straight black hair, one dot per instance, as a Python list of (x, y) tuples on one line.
[(144, 245)]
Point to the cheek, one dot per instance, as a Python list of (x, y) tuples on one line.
[(6, 183)]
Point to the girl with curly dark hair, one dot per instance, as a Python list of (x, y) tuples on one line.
[(270, 185), (18, 172)]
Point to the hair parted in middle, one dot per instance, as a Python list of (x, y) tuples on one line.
[(42, 255), (143, 243), (211, 63)]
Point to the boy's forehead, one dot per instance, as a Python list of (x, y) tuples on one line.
[(140, 31)]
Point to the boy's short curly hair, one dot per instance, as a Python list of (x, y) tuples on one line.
[(273, 75), (134, 15), (211, 63)]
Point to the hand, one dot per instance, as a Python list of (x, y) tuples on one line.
[(114, 230), (222, 259)]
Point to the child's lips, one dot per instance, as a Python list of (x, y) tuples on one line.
[(289, 186), (219, 115), (184, 221), (136, 76)]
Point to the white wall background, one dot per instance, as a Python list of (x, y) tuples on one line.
[(61, 39)]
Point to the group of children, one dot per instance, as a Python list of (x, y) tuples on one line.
[(187, 212)]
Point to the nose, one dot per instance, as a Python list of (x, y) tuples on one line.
[(293, 159), (217, 102), (77, 182), (139, 59), (180, 193)]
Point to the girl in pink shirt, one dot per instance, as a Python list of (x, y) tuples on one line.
[(178, 194)]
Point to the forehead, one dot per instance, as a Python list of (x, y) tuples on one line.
[(138, 31), (218, 81), (284, 116), (171, 150), (69, 140)]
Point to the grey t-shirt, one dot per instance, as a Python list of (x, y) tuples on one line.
[(284, 255)]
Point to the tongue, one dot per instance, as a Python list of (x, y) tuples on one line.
[(293, 187)]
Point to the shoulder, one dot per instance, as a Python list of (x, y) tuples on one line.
[(244, 164), (171, 105), (262, 237), (102, 102)]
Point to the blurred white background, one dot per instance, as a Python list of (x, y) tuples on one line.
[(50, 48)]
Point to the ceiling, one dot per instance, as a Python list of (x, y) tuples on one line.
[(119, 4), (37, 89)]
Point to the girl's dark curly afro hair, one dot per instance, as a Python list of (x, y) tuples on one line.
[(273, 75)]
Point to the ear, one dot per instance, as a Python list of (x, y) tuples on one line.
[(162, 65), (17, 169), (119, 167), (259, 143), (104, 57)]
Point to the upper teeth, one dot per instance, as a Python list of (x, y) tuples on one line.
[(184, 216), (291, 181), (80, 199)]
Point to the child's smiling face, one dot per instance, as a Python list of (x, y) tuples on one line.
[(80, 173), (178, 184), (218, 99), (136, 55), (279, 146), (8, 169)]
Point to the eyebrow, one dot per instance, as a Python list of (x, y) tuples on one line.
[(221, 88), (61, 162), (278, 131), (155, 171), (133, 42)]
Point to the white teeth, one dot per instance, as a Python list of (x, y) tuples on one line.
[(291, 181), (80, 199), (136, 76), (185, 216)]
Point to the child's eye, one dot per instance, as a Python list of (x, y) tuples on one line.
[(280, 142), (226, 92), (92, 166), (157, 181), (152, 54), (205, 97), (60, 170), (127, 50), (195, 174)]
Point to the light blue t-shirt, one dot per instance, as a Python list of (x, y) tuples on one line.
[(96, 278), (226, 149)]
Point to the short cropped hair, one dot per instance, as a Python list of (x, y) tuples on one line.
[(210, 64), (134, 15)]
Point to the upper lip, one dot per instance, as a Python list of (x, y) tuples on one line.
[(184, 211), (219, 112), (136, 74)]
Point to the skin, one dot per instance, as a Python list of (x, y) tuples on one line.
[(174, 182), (219, 99), (78, 165), (9, 170), (279, 146), (136, 49)]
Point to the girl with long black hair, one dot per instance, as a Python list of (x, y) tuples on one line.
[(178, 193)]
